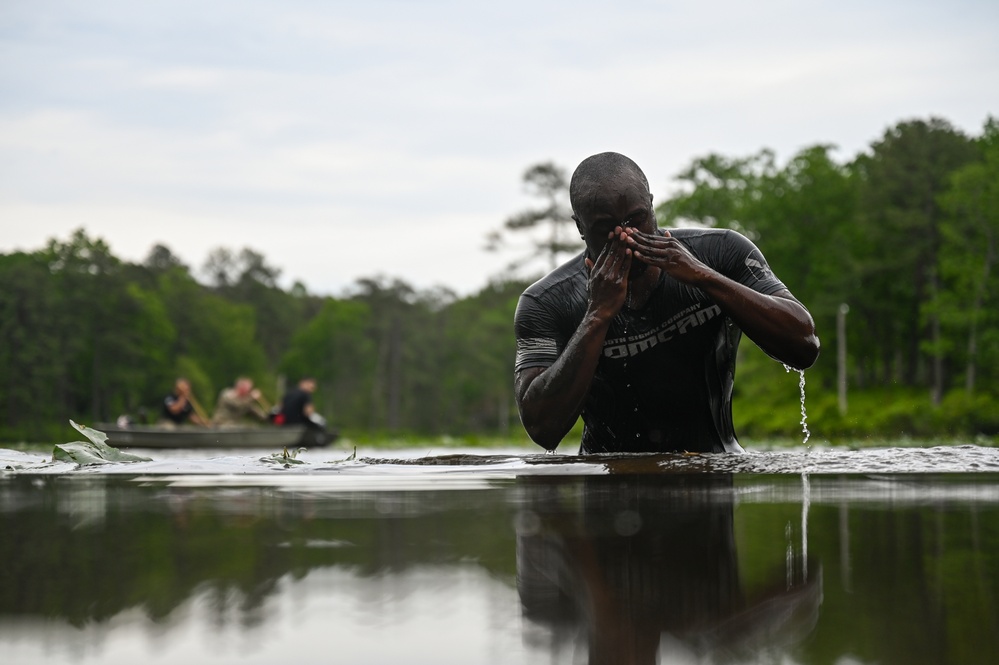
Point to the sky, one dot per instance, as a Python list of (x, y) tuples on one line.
[(348, 140)]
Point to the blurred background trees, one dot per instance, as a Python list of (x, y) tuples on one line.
[(904, 234)]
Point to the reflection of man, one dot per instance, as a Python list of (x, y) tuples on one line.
[(178, 406), (638, 335), (640, 557), (237, 403)]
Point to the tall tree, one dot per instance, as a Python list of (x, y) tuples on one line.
[(901, 180), (968, 301), (718, 191), (548, 182)]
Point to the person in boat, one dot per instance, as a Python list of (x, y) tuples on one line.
[(238, 403), (297, 407), (178, 407), (638, 333)]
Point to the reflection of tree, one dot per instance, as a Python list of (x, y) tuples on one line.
[(88, 551), (630, 560)]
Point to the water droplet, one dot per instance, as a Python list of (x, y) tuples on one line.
[(627, 523)]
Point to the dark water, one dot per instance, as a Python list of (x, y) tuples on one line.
[(835, 557)]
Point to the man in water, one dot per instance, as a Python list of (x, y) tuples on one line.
[(638, 334), (178, 406), (238, 402)]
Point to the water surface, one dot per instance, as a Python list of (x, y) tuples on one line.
[(821, 556)]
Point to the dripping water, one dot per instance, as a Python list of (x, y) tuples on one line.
[(801, 391), (626, 316)]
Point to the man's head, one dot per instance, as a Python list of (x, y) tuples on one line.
[(182, 386), (244, 385), (609, 190), (308, 384)]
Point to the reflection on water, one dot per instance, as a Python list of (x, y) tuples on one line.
[(647, 565), (507, 562)]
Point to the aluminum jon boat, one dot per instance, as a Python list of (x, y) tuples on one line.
[(151, 436)]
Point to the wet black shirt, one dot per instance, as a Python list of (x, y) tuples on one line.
[(664, 382)]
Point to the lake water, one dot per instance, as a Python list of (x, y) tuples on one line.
[(822, 556)]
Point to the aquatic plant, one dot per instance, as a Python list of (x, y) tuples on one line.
[(94, 451)]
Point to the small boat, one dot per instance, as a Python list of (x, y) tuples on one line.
[(151, 436)]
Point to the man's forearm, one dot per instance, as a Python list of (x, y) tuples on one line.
[(778, 324), (551, 401)]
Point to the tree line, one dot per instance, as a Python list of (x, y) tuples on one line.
[(85, 335), (893, 251)]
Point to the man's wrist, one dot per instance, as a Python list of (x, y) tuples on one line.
[(597, 320)]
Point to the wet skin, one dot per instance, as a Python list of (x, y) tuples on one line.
[(618, 225)]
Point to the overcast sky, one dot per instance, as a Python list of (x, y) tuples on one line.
[(351, 139)]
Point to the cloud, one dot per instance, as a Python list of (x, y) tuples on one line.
[(392, 135)]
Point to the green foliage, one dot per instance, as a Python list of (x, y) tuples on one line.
[(216, 338), (766, 406), (968, 303), (334, 349), (902, 178)]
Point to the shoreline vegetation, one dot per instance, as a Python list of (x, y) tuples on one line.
[(893, 251)]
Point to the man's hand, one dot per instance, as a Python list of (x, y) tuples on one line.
[(608, 282), (778, 323), (665, 252)]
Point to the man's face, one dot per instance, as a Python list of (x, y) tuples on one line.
[(622, 201)]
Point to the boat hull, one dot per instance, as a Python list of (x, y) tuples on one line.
[(150, 436)]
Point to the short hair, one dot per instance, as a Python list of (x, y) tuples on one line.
[(598, 169)]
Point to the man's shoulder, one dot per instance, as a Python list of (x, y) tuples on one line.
[(568, 278), (715, 246), (705, 234)]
